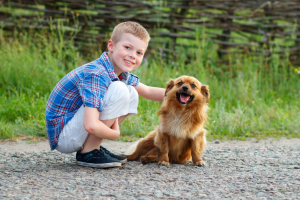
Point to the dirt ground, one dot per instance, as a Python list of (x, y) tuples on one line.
[(268, 169), (120, 147)]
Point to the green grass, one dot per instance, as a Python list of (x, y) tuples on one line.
[(250, 97)]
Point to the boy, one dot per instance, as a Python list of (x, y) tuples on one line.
[(90, 102)]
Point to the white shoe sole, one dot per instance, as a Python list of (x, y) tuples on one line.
[(103, 165), (123, 161)]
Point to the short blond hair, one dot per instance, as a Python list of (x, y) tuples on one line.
[(130, 27)]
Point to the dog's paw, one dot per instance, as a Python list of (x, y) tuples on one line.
[(164, 163), (145, 160), (199, 163)]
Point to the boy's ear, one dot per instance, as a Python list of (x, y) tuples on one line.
[(170, 85), (205, 92), (110, 45)]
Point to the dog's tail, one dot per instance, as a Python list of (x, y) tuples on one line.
[(141, 147), (132, 148)]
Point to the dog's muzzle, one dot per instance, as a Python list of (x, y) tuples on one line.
[(184, 97)]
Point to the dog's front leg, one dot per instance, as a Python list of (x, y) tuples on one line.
[(162, 144), (198, 146)]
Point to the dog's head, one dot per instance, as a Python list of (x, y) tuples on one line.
[(187, 90)]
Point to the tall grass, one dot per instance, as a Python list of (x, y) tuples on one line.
[(28, 72), (250, 97)]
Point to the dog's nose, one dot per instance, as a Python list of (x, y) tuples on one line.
[(185, 88)]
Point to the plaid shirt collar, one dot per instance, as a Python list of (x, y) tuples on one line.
[(104, 60)]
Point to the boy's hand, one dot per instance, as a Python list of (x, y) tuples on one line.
[(115, 125), (106, 129)]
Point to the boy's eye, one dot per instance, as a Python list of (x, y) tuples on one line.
[(180, 83), (193, 85), (126, 47)]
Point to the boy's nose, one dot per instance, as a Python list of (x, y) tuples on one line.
[(132, 56)]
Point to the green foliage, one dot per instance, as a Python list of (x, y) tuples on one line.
[(250, 97), (28, 73)]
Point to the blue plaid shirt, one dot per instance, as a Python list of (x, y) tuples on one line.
[(84, 85)]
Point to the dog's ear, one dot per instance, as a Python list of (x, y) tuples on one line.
[(170, 85), (205, 92)]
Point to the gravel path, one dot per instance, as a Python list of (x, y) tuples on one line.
[(268, 169)]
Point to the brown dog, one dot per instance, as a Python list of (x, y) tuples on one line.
[(180, 134)]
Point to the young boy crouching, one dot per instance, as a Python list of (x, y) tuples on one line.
[(88, 104)]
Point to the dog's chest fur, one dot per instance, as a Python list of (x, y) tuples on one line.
[(180, 125)]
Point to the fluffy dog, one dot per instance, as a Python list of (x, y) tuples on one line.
[(180, 134)]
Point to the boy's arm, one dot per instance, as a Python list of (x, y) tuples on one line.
[(151, 93), (94, 126)]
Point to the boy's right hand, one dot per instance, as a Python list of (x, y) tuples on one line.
[(105, 129), (115, 125)]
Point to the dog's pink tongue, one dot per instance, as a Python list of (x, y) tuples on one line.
[(184, 98)]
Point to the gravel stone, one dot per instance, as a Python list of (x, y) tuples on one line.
[(217, 142), (158, 193), (267, 169)]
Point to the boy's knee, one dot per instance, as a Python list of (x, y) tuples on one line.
[(119, 100), (134, 96), (120, 92)]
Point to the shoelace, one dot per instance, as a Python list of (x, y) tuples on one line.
[(104, 150), (100, 154)]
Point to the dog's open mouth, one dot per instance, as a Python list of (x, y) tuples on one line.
[(184, 98)]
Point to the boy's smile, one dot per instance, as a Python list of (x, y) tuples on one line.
[(127, 54), (128, 62)]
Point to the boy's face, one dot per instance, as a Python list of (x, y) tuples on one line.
[(127, 54)]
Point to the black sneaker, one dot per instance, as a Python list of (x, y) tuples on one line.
[(96, 158), (120, 158)]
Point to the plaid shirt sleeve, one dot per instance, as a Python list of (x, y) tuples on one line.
[(92, 90), (132, 79)]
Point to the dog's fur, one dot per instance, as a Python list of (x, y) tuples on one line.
[(180, 134)]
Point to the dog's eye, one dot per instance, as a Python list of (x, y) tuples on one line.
[(180, 83), (193, 85)]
